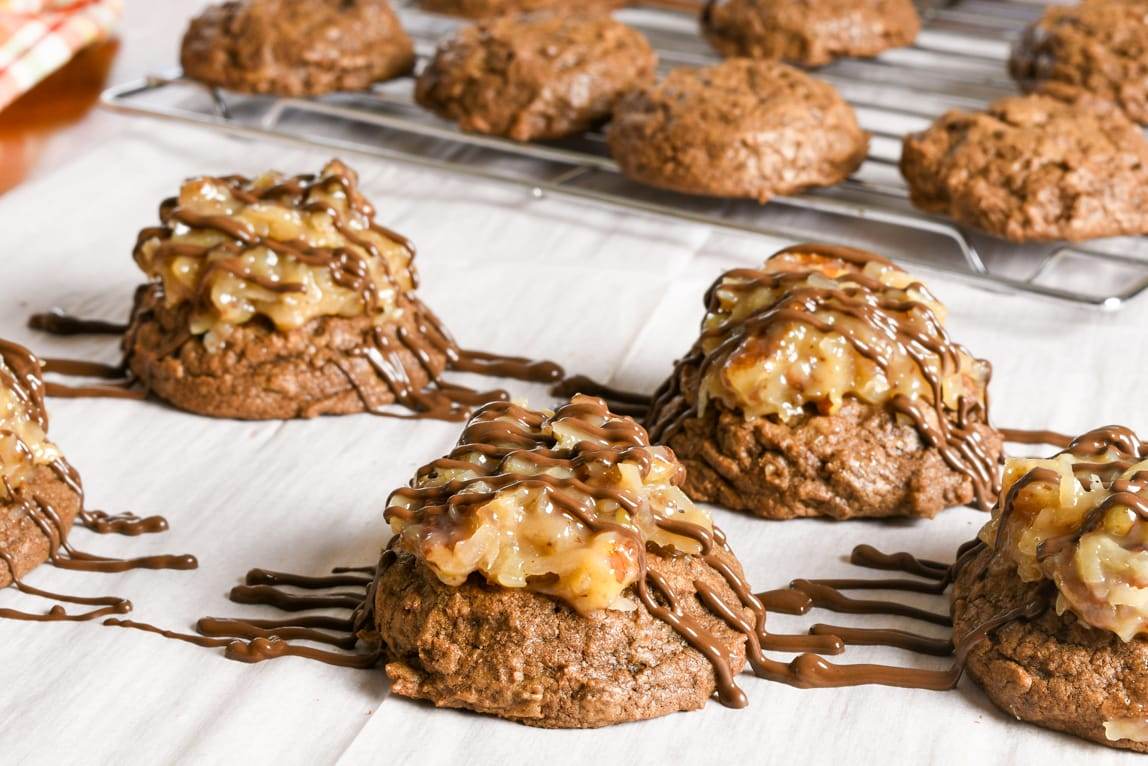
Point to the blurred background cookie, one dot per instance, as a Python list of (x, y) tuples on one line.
[(296, 47), (1098, 47), (742, 128), (1033, 168), (809, 32), (535, 76)]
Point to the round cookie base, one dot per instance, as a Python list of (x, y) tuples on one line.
[(21, 537), (860, 462), (519, 655), (538, 77), (264, 374), (796, 34), (1053, 671), (223, 50), (1085, 178), (740, 129)]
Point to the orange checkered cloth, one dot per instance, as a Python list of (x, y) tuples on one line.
[(37, 37)]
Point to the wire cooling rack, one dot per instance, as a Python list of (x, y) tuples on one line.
[(956, 62)]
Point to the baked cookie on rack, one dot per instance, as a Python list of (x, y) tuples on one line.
[(549, 570), (537, 76), (283, 297), (483, 8), (809, 32), (1033, 168), (1055, 598), (296, 47), (40, 495), (824, 384), (742, 128), (1097, 47)]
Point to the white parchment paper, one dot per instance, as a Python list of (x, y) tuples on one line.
[(617, 297)]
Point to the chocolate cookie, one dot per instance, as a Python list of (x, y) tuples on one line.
[(549, 570), (480, 8), (809, 32), (1051, 615), (860, 462), (535, 77), (1033, 168), (281, 297), (1055, 670), (296, 47), (743, 128), (1097, 47), (40, 493), (263, 373), (808, 394), (517, 654)]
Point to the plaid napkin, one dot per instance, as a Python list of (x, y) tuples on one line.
[(38, 37)]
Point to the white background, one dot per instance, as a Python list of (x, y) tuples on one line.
[(617, 297)]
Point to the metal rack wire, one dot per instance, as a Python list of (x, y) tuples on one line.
[(957, 62)]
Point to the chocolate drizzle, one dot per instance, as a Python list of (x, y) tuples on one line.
[(253, 640), (21, 374), (856, 297), (387, 350), (1121, 449), (935, 578)]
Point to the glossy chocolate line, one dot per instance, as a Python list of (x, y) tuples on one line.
[(960, 647), (268, 577), (252, 640), (934, 354), (1039, 436), (57, 613), (61, 391), (622, 402), (289, 602), (897, 639), (127, 524), (828, 597), (786, 601), (56, 322), (245, 629)]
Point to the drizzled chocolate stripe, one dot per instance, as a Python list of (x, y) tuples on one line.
[(253, 640), (827, 594), (862, 298)]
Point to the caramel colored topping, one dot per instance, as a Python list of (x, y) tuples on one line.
[(289, 249), (1080, 520), (562, 503), (24, 443), (818, 324), (810, 330)]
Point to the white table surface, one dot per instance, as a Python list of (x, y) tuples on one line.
[(614, 296)]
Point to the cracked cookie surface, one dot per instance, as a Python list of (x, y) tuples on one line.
[(1033, 168), (517, 654), (809, 32), (539, 76), (296, 47), (754, 129)]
